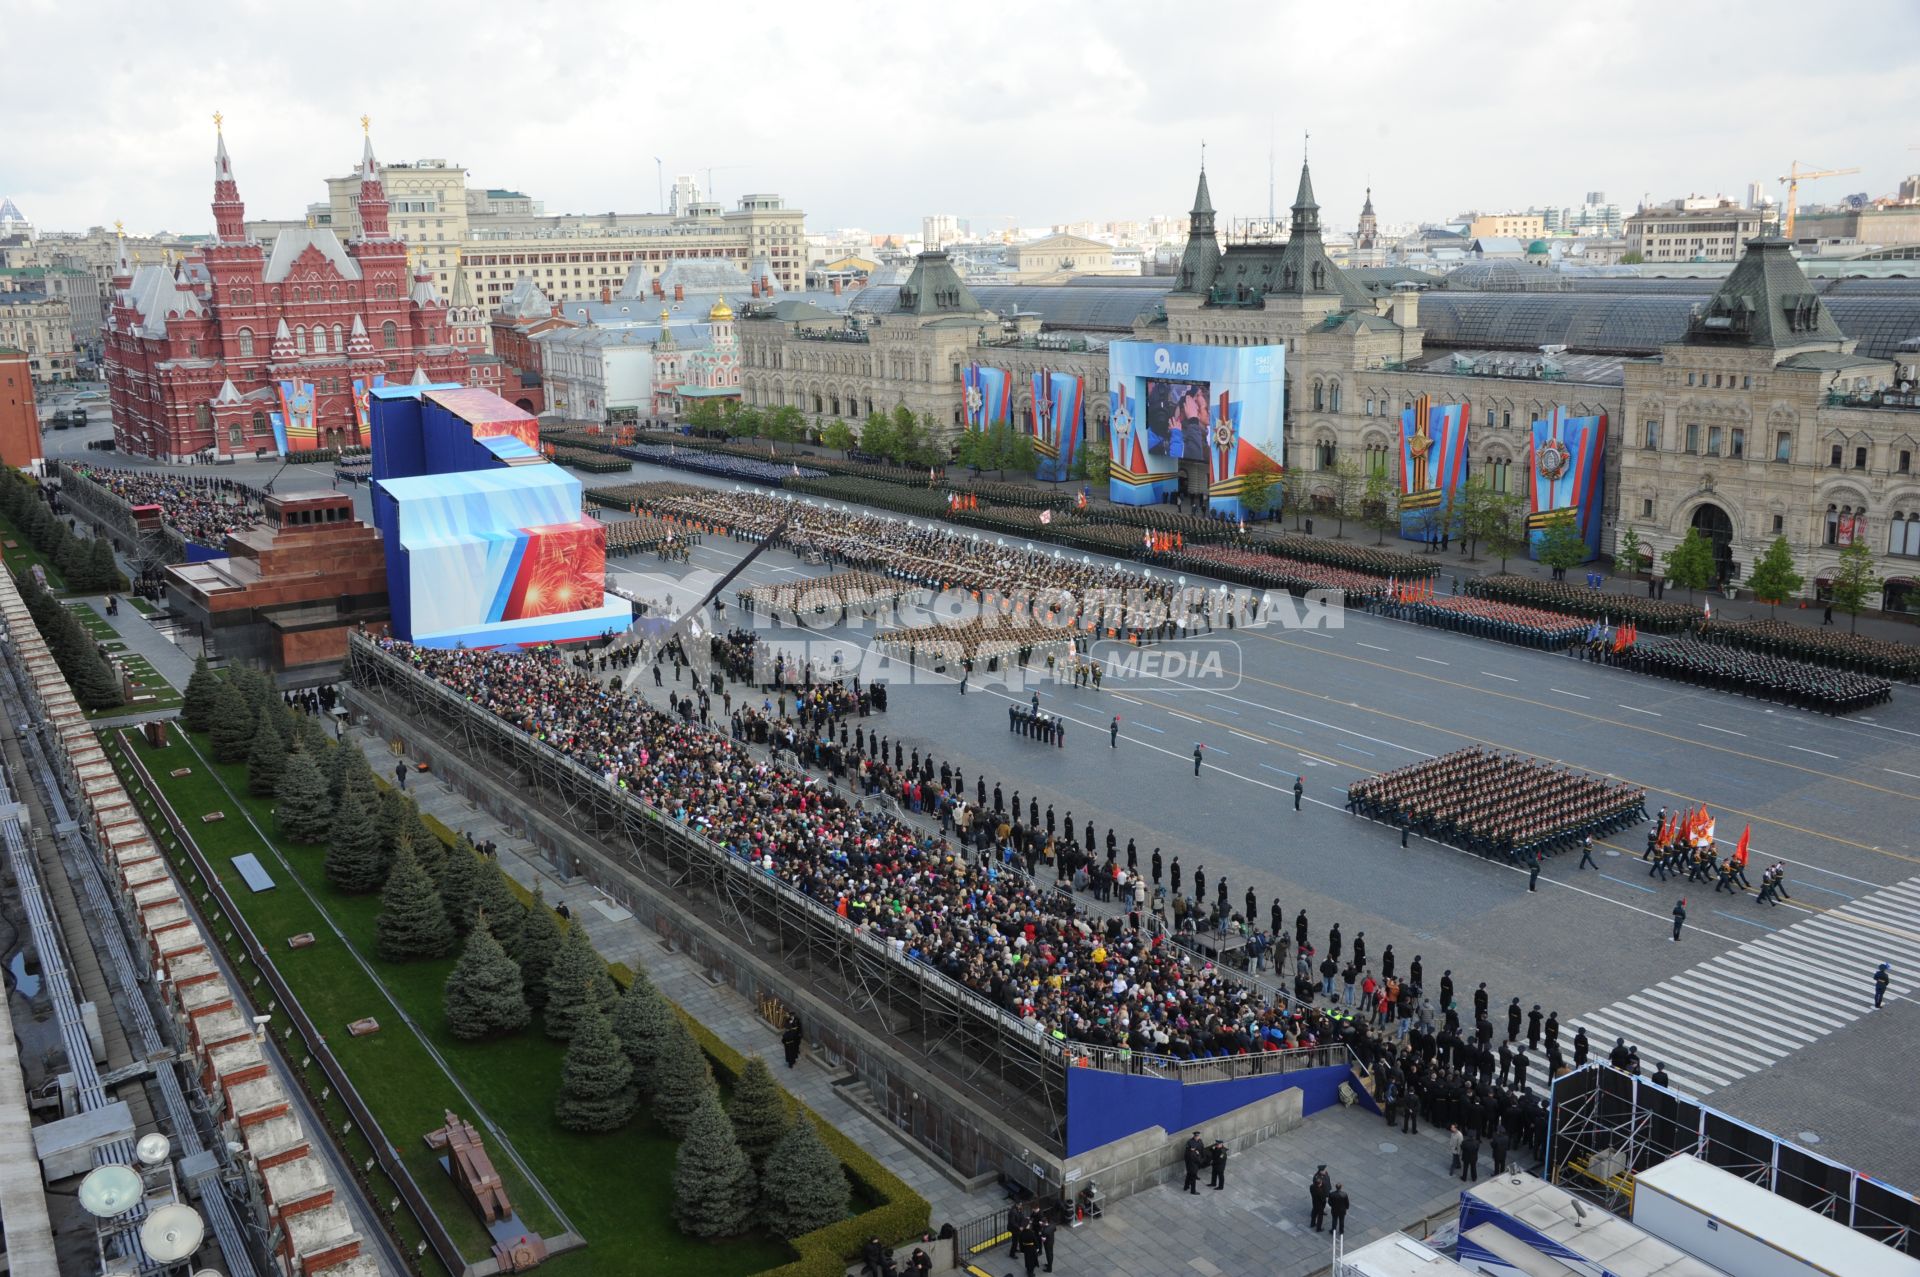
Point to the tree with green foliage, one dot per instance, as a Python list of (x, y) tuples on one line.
[(1630, 555), (802, 1185), (705, 418), (1561, 545), (1854, 582), (1773, 578), (391, 810), (759, 1110), (256, 687), (1349, 487), (838, 435), (347, 768), (103, 569), (303, 810), (354, 863), (1018, 454), (196, 703), (232, 725), (95, 683), (906, 435), (412, 924), (596, 1081), (428, 847), (311, 737), (484, 998), (266, 757), (746, 423), (460, 886), (713, 1190), (506, 916), (877, 435), (641, 1020), (1502, 522), (540, 940), (1380, 507), (682, 1079), (1092, 461), (576, 980), (1260, 489), (1690, 563), (785, 424)]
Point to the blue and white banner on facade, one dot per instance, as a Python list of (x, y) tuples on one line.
[(989, 397), (1433, 467), (1567, 475), (1059, 418)]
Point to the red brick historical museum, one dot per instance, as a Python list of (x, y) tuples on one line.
[(238, 348)]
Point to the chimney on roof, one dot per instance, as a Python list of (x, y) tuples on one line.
[(753, 287), (606, 294), (836, 285), (679, 292), (657, 290)]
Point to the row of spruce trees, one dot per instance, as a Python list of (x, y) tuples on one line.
[(86, 563), (752, 1162)]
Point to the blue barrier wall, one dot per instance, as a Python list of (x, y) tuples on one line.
[(1103, 1107)]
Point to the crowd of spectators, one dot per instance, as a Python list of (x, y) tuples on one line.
[(956, 900), (202, 510)]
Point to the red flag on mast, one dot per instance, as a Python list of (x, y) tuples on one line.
[(1740, 852)]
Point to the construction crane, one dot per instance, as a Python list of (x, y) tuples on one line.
[(1796, 175)]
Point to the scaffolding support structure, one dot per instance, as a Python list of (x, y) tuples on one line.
[(909, 1008), (1605, 1126)]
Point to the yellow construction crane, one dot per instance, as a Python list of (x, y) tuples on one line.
[(1796, 175)]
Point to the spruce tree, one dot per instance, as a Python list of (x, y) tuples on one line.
[(576, 979), (354, 863), (506, 916), (802, 1185), (311, 735), (302, 810), (539, 944), (389, 816), (759, 1110), (196, 705), (267, 758), (94, 683), (232, 724), (644, 1021), (412, 924), (460, 887), (712, 1182), (427, 845), (348, 766), (596, 1082), (682, 1079), (257, 688), (484, 997), (102, 566)]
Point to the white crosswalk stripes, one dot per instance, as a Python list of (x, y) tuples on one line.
[(1746, 1009)]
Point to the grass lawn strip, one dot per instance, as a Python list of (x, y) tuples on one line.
[(24, 556), (395, 1075), (514, 1081), (146, 679), (355, 1144)]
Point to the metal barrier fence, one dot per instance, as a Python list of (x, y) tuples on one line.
[(1216, 1069)]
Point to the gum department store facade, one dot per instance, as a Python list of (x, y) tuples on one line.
[(1770, 406)]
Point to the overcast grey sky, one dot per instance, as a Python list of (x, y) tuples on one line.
[(873, 114)]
